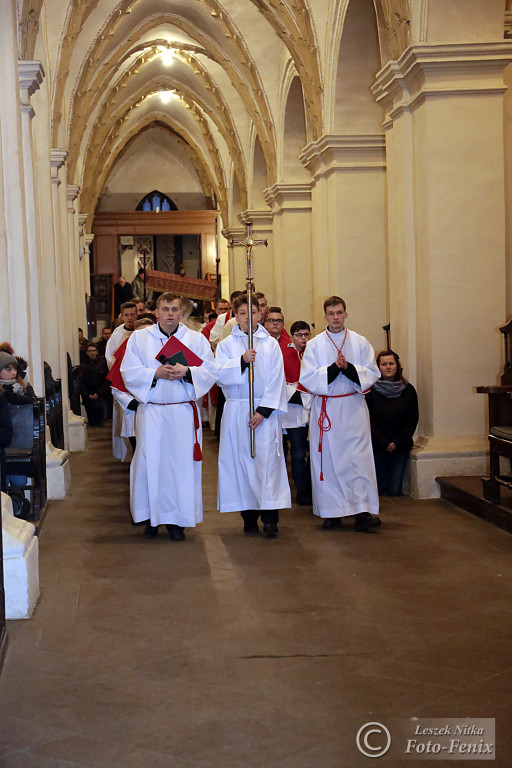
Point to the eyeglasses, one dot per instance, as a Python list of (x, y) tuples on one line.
[(304, 335), (274, 320)]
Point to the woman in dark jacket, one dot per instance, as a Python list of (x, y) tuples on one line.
[(393, 406), (5, 437)]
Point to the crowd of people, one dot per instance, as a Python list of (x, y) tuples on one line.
[(346, 420)]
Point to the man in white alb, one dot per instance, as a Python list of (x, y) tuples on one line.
[(120, 442), (255, 487), (165, 474), (337, 367)]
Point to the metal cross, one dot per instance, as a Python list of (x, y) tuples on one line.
[(249, 243)]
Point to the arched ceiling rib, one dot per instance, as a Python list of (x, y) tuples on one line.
[(109, 156), (234, 58), (111, 134), (215, 107)]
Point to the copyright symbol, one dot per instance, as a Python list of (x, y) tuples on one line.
[(379, 733)]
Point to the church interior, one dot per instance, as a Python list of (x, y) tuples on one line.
[(369, 142)]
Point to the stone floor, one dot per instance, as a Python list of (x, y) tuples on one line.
[(227, 651)]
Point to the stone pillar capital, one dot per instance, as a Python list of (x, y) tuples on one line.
[(233, 233), (442, 70), (31, 75), (260, 219), (72, 192), (335, 152), (288, 197), (57, 159)]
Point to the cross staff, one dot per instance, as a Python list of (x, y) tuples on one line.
[(249, 243)]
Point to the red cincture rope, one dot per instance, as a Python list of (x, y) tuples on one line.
[(198, 455)]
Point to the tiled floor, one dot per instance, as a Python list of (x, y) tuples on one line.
[(227, 651)]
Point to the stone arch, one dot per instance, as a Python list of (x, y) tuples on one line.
[(294, 134), (93, 184), (236, 201), (259, 177), (354, 110)]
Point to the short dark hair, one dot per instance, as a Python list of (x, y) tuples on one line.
[(150, 305), (299, 325), (389, 353), (333, 301), (140, 272), (234, 295), (92, 344), (147, 316), (259, 295), (167, 297), (128, 305), (275, 310), (243, 299)]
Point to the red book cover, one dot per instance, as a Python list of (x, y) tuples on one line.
[(114, 375), (175, 347)]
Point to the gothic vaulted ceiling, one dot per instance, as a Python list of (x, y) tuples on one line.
[(209, 73)]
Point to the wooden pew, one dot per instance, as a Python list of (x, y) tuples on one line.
[(500, 423), (27, 453)]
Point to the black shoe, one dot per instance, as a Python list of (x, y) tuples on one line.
[(150, 531), (304, 498), (176, 532), (251, 528), (365, 522), (332, 522), (270, 530)]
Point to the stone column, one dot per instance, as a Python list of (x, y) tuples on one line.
[(77, 311), (348, 194), (57, 159), (263, 258), (16, 326), (236, 264), (31, 75), (84, 272), (291, 226), (446, 224)]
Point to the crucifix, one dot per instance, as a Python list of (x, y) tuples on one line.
[(249, 243)]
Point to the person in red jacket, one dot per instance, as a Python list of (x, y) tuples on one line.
[(295, 423), (274, 324)]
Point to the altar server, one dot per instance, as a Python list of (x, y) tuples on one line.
[(338, 366), (165, 474), (120, 442), (255, 487)]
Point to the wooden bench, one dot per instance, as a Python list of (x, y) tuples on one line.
[(27, 453), (54, 418)]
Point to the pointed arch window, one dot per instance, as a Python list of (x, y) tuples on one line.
[(156, 201)]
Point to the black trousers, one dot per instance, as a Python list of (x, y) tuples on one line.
[(250, 516)]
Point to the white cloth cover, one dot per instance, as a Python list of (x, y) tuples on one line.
[(121, 448), (165, 481), (244, 482), (349, 486)]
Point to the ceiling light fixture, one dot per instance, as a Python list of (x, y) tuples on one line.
[(167, 57)]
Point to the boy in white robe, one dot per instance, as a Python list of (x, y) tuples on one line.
[(338, 366), (120, 441), (165, 474), (255, 487)]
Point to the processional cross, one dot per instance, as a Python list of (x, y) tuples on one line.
[(249, 243)]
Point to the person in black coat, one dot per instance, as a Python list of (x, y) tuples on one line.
[(93, 386), (5, 437), (122, 292), (393, 406)]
